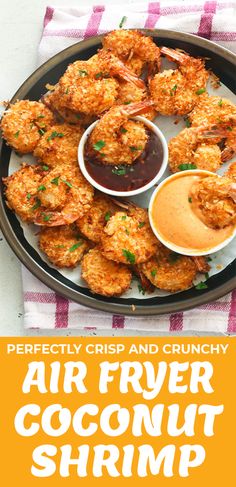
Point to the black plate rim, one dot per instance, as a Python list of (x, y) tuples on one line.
[(62, 289)]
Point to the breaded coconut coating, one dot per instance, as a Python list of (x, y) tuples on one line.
[(93, 222), (231, 172), (128, 238), (21, 191), (170, 271), (59, 146), (24, 123), (210, 109), (58, 105), (116, 139), (62, 245), (85, 89), (190, 147), (215, 198), (64, 196), (176, 92), (104, 276)]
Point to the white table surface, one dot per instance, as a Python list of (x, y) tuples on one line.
[(20, 30)]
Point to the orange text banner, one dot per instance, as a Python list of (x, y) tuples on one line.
[(91, 411)]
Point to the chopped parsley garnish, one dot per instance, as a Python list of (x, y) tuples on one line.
[(67, 91), (55, 180), (119, 171), (173, 257), (78, 115), (41, 131), (99, 145), (141, 224), (200, 91), (123, 130), (60, 246), (127, 102), (220, 102), (107, 216), (41, 188), (46, 218), (75, 246), (28, 196), (67, 183), (229, 128), (17, 134), (209, 259), (83, 73), (201, 285), (101, 75), (45, 168), (190, 200), (41, 116), (207, 275), (127, 231), (37, 205), (187, 122), (186, 167), (123, 20), (129, 256), (173, 90), (54, 135), (134, 148), (153, 272), (141, 289), (123, 217)]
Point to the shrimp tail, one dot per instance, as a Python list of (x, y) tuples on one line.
[(174, 55), (135, 108), (117, 68)]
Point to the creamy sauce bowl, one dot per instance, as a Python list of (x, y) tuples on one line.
[(177, 225), (104, 178)]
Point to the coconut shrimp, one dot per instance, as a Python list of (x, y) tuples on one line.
[(128, 237), (197, 148), (133, 48), (62, 245), (23, 124), (130, 93), (93, 222), (59, 146), (22, 189), (176, 92), (215, 201), (89, 86), (213, 110), (63, 196), (57, 104), (104, 276), (116, 139), (170, 271)]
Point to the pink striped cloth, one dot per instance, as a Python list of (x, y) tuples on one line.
[(65, 26)]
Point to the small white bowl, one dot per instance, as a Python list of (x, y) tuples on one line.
[(151, 183), (170, 245)]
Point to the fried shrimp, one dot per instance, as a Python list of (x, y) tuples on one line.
[(59, 145), (176, 92), (116, 139), (93, 222), (130, 93), (57, 104), (133, 48), (214, 110), (104, 276), (23, 124), (62, 245), (170, 271), (21, 191), (215, 200), (196, 147), (128, 237), (63, 197)]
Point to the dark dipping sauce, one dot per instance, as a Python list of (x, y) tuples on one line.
[(125, 177)]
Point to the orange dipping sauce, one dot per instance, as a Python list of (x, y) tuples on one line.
[(175, 220)]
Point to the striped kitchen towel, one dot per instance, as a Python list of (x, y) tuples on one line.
[(64, 26)]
